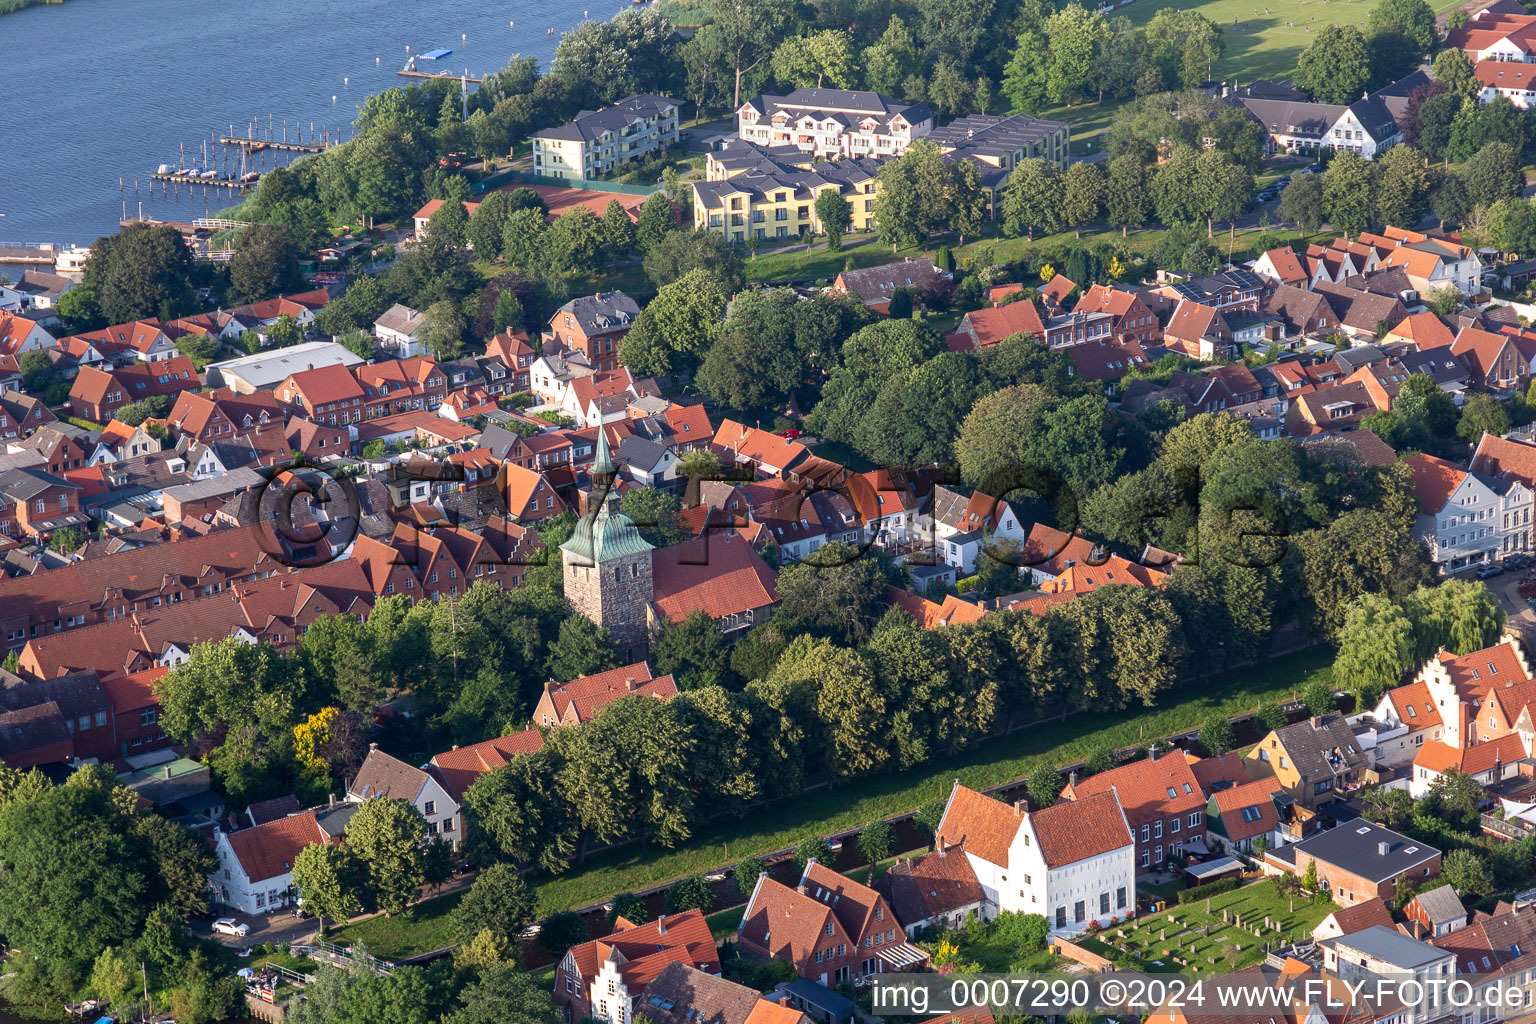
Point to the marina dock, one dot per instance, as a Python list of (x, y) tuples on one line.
[(256, 145), (178, 178), (413, 73)]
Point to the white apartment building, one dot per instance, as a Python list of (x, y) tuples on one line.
[(1468, 518), (1073, 862), (834, 123), (597, 141)]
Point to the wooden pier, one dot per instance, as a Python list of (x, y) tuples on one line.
[(192, 179), (413, 73), (255, 145)]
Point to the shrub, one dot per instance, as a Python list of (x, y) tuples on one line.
[(1201, 892)]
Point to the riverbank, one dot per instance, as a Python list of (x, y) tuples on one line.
[(12, 6)]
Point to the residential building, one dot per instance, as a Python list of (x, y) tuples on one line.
[(1133, 320), (266, 370), (770, 198), (1430, 263), (596, 142), (384, 776), (1496, 36), (828, 926), (1162, 803), (1501, 362), (97, 395), (457, 769), (397, 331), (959, 526), (1438, 911), (255, 865), (324, 394), (1199, 331), (1073, 862), (1317, 760), (260, 316), (583, 698), (1484, 763), (1463, 514), (938, 889), (1238, 815), (1349, 920), (423, 217), (1385, 952), (594, 325), (1357, 861), (874, 286), (1293, 123), (1000, 142), (605, 977), (19, 334), (834, 123), (683, 994)]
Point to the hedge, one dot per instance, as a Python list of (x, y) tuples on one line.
[(1215, 888)]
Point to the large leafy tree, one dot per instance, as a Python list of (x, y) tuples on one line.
[(500, 901), (1126, 198), (1376, 645), (1493, 173), (145, 270), (693, 651), (671, 335), (1402, 186), (385, 833), (1033, 198), (1362, 551), (266, 262), (330, 880), (518, 811), (1335, 67), (1349, 192)]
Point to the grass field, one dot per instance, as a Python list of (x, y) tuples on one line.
[(997, 761), (425, 927), (1197, 937)]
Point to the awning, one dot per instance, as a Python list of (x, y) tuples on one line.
[(1196, 844), (901, 957)]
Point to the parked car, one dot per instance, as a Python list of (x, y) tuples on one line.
[(229, 926), (1490, 570), (1517, 561), (790, 434)]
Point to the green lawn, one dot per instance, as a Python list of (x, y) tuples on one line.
[(422, 929), (1193, 935), (1271, 35), (993, 762), (818, 262)]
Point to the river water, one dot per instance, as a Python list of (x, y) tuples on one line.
[(105, 89)]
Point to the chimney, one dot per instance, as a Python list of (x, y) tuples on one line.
[(629, 684), (1152, 752), (1383, 848), (1018, 808), (330, 799), (372, 747), (1072, 778), (1317, 722), (167, 772), (661, 924), (783, 1000)]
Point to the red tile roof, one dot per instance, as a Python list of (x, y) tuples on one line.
[(457, 769), (1434, 481), (588, 695), (718, 574), (993, 324), (1370, 914), (931, 615), (684, 934), (1426, 330), (1143, 788), (1414, 696), (1252, 798), (1497, 456), (1210, 771), (1080, 829), (268, 851), (983, 825), (136, 691)]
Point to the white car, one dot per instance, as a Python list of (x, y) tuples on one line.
[(229, 926)]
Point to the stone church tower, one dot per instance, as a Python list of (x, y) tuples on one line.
[(608, 564)]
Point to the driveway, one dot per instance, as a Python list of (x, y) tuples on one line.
[(1521, 617)]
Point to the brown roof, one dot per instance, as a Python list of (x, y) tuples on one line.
[(590, 694), (1416, 696), (1212, 772), (1434, 481), (786, 922), (650, 947), (136, 691), (994, 323), (1498, 456), (267, 851), (1056, 290), (383, 775), (1361, 916), (1076, 830), (683, 994), (1425, 330), (934, 884), (1051, 550), (930, 614)]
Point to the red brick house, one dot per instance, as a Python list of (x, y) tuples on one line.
[(1163, 803), (44, 503), (136, 711), (529, 497), (581, 699), (1133, 319), (97, 395), (829, 927), (594, 325), (223, 415), (325, 394)]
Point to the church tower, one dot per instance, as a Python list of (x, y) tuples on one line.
[(608, 564)]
